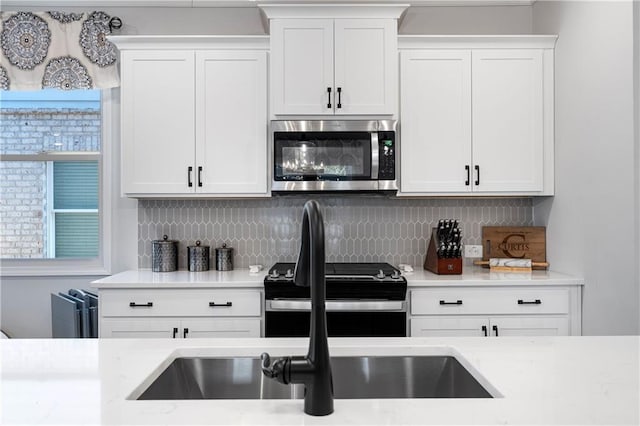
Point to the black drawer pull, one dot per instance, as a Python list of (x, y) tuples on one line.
[(484, 330), (214, 304), (495, 329), (466, 182), (175, 332), (457, 302), (535, 302), (141, 305), (184, 333)]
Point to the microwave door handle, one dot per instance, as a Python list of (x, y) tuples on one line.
[(375, 155)]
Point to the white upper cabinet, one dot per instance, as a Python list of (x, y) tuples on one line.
[(302, 66), (157, 121), (477, 115), (334, 60), (231, 122), (194, 116), (436, 120), (507, 110), (366, 77)]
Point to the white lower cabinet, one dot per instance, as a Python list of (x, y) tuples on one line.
[(490, 326), (180, 313), (495, 312)]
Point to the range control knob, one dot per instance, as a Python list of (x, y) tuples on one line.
[(274, 274), (380, 274), (289, 274), (396, 275)]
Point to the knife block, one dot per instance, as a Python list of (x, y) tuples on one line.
[(440, 265)]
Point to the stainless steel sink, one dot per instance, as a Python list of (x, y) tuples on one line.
[(353, 378)]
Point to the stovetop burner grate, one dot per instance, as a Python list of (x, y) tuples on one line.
[(343, 281)]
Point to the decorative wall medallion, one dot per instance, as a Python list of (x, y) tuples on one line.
[(25, 40), (93, 39), (4, 79), (66, 73), (65, 18)]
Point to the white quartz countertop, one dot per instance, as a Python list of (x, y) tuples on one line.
[(145, 278), (482, 276), (541, 380)]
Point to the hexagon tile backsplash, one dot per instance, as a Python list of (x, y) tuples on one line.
[(357, 229)]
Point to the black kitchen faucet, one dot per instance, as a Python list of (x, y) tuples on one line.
[(314, 369)]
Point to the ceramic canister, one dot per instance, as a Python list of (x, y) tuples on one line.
[(198, 257), (164, 255), (224, 258)]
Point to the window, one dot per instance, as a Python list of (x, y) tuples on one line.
[(50, 180)]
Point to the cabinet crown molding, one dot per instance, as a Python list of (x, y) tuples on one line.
[(164, 42), (336, 10), (524, 41)]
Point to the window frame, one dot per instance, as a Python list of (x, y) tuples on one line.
[(100, 265)]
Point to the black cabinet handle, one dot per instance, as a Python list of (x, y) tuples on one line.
[(484, 329), (184, 333), (535, 302), (214, 304), (189, 171), (175, 332), (495, 330), (328, 97), (466, 182), (339, 98), (199, 175), (477, 174), (140, 305), (457, 302)]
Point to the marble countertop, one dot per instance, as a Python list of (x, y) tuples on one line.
[(541, 380), (145, 278)]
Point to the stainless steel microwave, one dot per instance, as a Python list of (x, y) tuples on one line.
[(326, 155)]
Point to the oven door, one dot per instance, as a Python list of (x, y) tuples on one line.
[(345, 318), (325, 155)]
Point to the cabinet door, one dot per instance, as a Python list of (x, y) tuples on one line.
[(231, 122), (365, 66), (435, 97), (448, 326), (220, 328), (507, 114), (529, 326), (302, 66), (158, 140), (138, 327)]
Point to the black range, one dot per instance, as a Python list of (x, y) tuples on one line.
[(363, 299)]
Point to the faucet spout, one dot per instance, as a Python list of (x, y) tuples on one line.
[(313, 370)]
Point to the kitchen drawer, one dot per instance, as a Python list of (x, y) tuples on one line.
[(174, 302), (448, 326), (489, 301)]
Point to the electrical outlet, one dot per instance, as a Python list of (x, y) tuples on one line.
[(473, 252)]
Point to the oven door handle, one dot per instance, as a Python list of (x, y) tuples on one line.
[(338, 305), (375, 155)]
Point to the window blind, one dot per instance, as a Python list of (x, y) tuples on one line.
[(75, 185), (76, 234)]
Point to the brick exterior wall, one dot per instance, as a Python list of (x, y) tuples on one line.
[(23, 184)]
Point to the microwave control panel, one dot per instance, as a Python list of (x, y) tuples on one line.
[(387, 158)]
